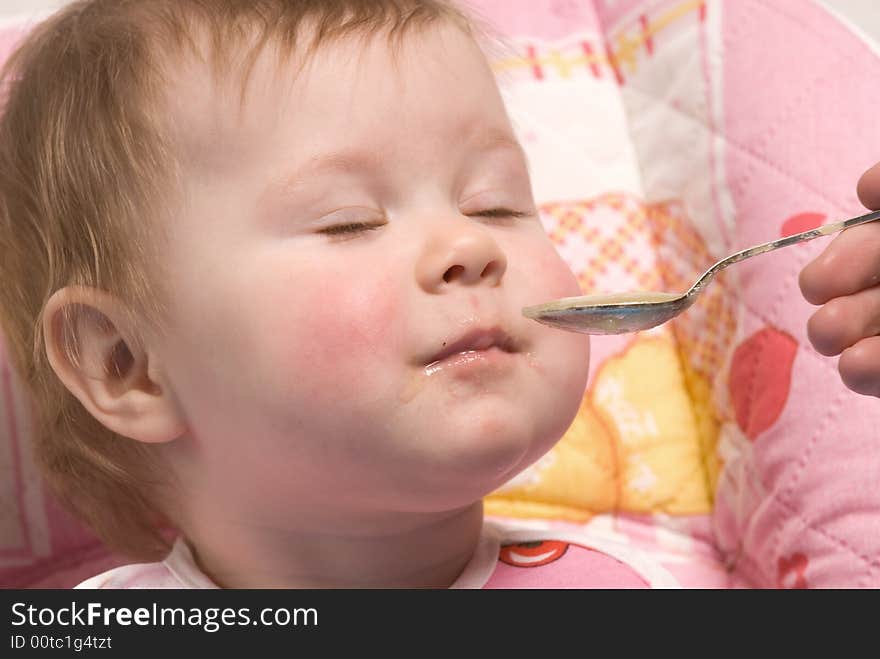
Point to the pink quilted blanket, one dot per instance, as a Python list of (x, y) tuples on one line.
[(662, 135)]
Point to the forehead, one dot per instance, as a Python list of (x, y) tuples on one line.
[(434, 75)]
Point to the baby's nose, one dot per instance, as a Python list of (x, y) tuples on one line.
[(465, 258), (476, 261)]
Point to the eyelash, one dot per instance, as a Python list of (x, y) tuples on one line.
[(352, 227), (500, 213), (359, 227)]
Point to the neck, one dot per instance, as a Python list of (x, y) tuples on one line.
[(410, 551)]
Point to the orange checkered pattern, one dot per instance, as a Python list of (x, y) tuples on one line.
[(615, 243)]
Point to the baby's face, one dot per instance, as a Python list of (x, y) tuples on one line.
[(349, 267)]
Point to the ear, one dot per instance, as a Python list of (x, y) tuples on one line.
[(103, 364)]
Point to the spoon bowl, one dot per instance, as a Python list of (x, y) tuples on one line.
[(636, 311), (611, 314)]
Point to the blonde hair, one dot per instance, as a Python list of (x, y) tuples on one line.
[(84, 162)]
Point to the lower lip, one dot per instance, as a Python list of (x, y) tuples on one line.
[(472, 360)]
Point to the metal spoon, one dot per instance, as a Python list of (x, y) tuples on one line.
[(632, 312)]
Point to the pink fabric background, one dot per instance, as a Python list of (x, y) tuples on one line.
[(800, 128), (802, 507)]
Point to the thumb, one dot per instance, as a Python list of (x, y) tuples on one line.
[(868, 188)]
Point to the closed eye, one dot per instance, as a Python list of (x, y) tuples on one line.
[(350, 228), (500, 213)]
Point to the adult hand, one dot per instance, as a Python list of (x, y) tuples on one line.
[(844, 279)]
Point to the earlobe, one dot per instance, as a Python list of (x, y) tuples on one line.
[(109, 370)]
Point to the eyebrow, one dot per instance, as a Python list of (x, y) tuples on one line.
[(342, 161), (354, 160), (494, 139)]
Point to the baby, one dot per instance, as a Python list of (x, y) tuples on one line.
[(269, 260)]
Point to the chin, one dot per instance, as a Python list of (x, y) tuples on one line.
[(483, 452), (481, 458)]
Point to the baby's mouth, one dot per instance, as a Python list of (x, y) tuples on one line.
[(473, 341)]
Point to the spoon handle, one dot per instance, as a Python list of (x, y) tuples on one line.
[(824, 230)]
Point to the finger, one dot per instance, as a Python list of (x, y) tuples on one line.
[(868, 188), (844, 321), (851, 263), (859, 367)]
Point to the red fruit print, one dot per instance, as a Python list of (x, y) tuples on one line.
[(791, 572), (801, 222), (760, 379), (533, 554)]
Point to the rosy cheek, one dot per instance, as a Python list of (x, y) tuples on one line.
[(339, 333), (558, 280), (564, 281)]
